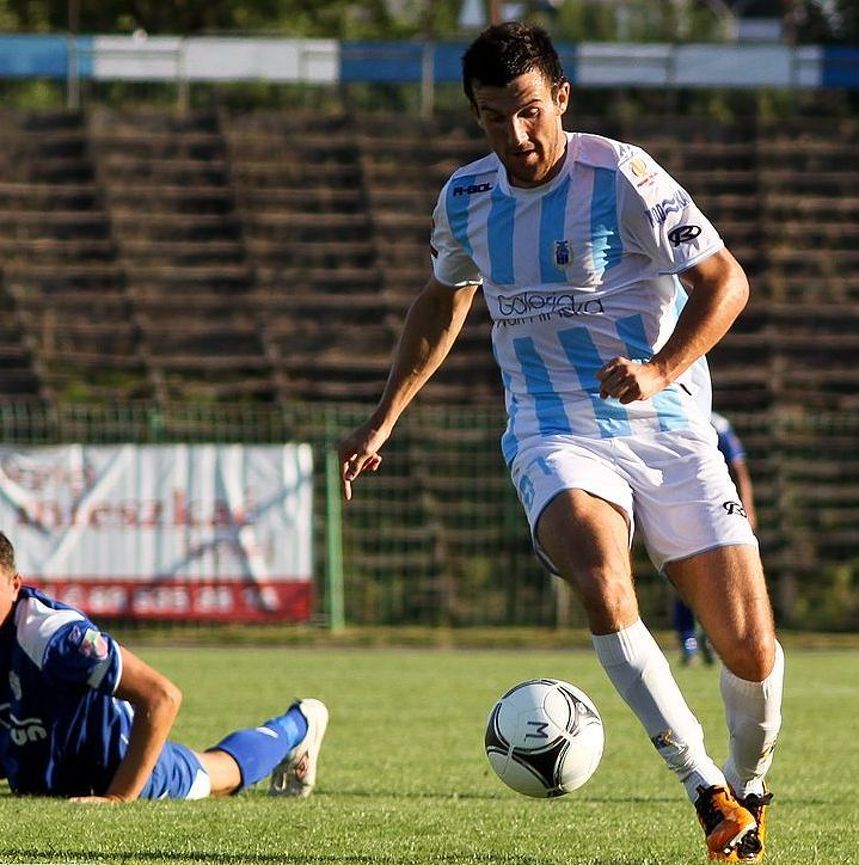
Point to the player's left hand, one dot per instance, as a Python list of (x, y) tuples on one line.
[(629, 380), (97, 800)]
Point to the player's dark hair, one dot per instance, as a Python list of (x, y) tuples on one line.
[(506, 51), (7, 557)]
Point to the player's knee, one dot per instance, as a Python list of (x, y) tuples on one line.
[(607, 596), (751, 657)]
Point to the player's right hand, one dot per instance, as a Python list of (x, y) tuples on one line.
[(97, 800), (359, 452)]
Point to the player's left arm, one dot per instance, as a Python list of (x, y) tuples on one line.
[(156, 702), (660, 222), (719, 291)]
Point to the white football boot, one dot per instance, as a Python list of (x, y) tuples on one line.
[(295, 775)]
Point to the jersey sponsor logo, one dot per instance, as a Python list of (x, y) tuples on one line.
[(472, 188), (22, 731), (683, 234), (534, 303), (659, 212), (563, 254)]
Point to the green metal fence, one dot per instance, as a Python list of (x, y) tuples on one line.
[(437, 536)]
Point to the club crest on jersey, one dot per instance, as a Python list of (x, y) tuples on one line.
[(563, 253)]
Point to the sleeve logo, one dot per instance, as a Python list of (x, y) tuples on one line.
[(638, 166), (683, 234), (93, 645)]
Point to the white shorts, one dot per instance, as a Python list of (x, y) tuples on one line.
[(674, 485)]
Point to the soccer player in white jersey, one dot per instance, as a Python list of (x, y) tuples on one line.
[(84, 718), (583, 246)]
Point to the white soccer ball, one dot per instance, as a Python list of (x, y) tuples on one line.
[(544, 738)]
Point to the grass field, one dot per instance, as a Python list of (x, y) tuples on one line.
[(403, 777)]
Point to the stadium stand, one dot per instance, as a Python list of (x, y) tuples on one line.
[(170, 203), (300, 191), (809, 200), (68, 328), (216, 256), (269, 257), (405, 166)]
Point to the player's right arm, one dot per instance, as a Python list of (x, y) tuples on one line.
[(432, 325), (156, 702)]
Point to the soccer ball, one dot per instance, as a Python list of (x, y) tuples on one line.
[(544, 738)]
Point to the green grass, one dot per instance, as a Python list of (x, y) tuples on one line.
[(403, 777)]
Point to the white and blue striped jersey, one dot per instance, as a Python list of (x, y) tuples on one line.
[(62, 732), (576, 272)]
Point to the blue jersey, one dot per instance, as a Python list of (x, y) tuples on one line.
[(62, 732), (729, 442), (575, 272)]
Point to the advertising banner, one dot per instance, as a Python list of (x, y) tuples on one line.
[(219, 532)]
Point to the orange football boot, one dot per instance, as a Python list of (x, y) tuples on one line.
[(725, 821), (751, 848)]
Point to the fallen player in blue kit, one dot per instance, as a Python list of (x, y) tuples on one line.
[(83, 717)]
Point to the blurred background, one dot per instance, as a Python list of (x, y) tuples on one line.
[(213, 216)]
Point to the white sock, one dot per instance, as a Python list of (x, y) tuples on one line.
[(753, 713), (639, 671)]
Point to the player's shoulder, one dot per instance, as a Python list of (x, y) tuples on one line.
[(628, 160), (38, 618), (479, 175), (600, 151), (36, 605)]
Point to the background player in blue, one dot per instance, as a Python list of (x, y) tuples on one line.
[(694, 644), (83, 717), (584, 248)]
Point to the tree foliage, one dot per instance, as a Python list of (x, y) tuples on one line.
[(806, 21), (339, 19), (821, 22)]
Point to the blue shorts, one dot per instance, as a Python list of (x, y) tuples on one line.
[(178, 774)]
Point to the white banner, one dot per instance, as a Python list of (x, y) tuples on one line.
[(197, 531), (213, 58)]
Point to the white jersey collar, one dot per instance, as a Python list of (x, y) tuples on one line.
[(526, 192)]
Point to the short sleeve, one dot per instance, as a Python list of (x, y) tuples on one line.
[(451, 263), (660, 219), (79, 653)]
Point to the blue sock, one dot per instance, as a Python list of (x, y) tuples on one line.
[(259, 749)]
